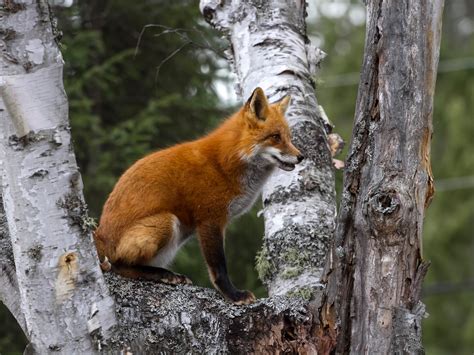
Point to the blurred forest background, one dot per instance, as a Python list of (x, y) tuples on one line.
[(128, 99)]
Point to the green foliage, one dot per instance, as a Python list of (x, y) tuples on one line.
[(123, 108), (120, 107), (448, 233)]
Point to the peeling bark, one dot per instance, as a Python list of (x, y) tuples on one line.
[(375, 269), (269, 48), (63, 297)]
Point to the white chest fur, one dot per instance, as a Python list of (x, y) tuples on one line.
[(252, 182)]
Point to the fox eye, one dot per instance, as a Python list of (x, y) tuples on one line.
[(276, 137)]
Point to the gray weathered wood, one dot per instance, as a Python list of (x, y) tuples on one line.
[(375, 269), (62, 296)]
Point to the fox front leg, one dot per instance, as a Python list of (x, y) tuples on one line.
[(211, 238)]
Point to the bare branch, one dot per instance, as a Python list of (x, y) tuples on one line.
[(183, 34), (171, 55)]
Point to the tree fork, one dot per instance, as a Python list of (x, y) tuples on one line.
[(383, 185)]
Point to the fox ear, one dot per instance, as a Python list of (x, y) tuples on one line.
[(284, 103), (257, 104)]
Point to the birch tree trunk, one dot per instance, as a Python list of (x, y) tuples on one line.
[(64, 301), (269, 48), (376, 268)]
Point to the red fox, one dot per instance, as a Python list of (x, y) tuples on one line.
[(162, 199)]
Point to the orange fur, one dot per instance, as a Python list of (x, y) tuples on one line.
[(189, 185), (142, 241)]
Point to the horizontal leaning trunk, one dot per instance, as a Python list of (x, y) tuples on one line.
[(269, 48), (376, 269), (156, 318)]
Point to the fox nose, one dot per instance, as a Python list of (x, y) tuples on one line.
[(300, 157)]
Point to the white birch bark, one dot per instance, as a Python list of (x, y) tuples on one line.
[(269, 48), (63, 296)]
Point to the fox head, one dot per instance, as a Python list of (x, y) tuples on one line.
[(267, 136)]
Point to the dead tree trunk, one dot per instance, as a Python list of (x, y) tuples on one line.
[(62, 295), (376, 269)]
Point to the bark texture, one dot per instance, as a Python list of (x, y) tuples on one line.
[(62, 294), (155, 318), (375, 269), (57, 277), (269, 48)]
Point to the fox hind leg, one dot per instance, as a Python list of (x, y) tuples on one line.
[(149, 245)]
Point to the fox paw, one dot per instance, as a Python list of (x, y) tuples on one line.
[(176, 279), (105, 265), (243, 297)]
